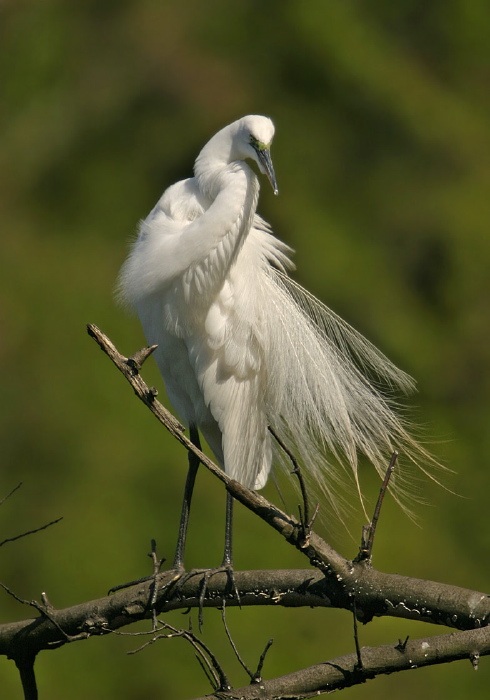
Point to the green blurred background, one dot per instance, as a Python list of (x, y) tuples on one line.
[(382, 157)]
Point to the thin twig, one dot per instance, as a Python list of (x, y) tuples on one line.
[(369, 531), (233, 645), (254, 677), (313, 517), (140, 356), (306, 523), (258, 673), (14, 595), (10, 494), (401, 646), (356, 639), (204, 653), (45, 611), (213, 672), (209, 672), (29, 532)]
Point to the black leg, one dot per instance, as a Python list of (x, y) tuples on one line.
[(227, 556), (227, 564), (184, 522), (186, 505)]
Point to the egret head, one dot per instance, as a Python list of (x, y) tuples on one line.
[(254, 139), (247, 138)]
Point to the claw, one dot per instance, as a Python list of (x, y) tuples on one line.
[(208, 574)]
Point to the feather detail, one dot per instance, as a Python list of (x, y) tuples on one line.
[(242, 347)]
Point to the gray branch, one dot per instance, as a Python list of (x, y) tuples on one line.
[(374, 593), (344, 671), (332, 582)]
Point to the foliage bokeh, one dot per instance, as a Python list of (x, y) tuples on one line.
[(382, 157)]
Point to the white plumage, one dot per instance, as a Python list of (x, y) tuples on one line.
[(240, 345)]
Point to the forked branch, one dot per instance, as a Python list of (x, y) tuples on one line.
[(333, 582), (369, 531), (344, 671)]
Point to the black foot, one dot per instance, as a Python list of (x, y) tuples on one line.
[(208, 574)]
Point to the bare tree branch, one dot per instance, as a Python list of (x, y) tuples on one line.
[(375, 594), (30, 532), (369, 531), (320, 553), (23, 640), (2, 501), (333, 582), (25, 666), (343, 671)]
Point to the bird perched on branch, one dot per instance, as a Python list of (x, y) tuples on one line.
[(241, 346)]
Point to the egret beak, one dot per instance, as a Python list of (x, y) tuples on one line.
[(265, 162)]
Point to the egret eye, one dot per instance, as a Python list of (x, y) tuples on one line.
[(258, 145)]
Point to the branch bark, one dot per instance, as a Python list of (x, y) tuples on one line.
[(375, 594), (332, 582), (344, 671)]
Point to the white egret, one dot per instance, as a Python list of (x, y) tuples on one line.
[(242, 347)]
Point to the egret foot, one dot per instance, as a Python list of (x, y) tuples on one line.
[(207, 574), (224, 568)]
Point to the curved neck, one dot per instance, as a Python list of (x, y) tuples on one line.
[(213, 161), (231, 188), (214, 239)]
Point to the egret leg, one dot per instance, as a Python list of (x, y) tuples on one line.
[(186, 505), (227, 555), (227, 563), (184, 517)]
